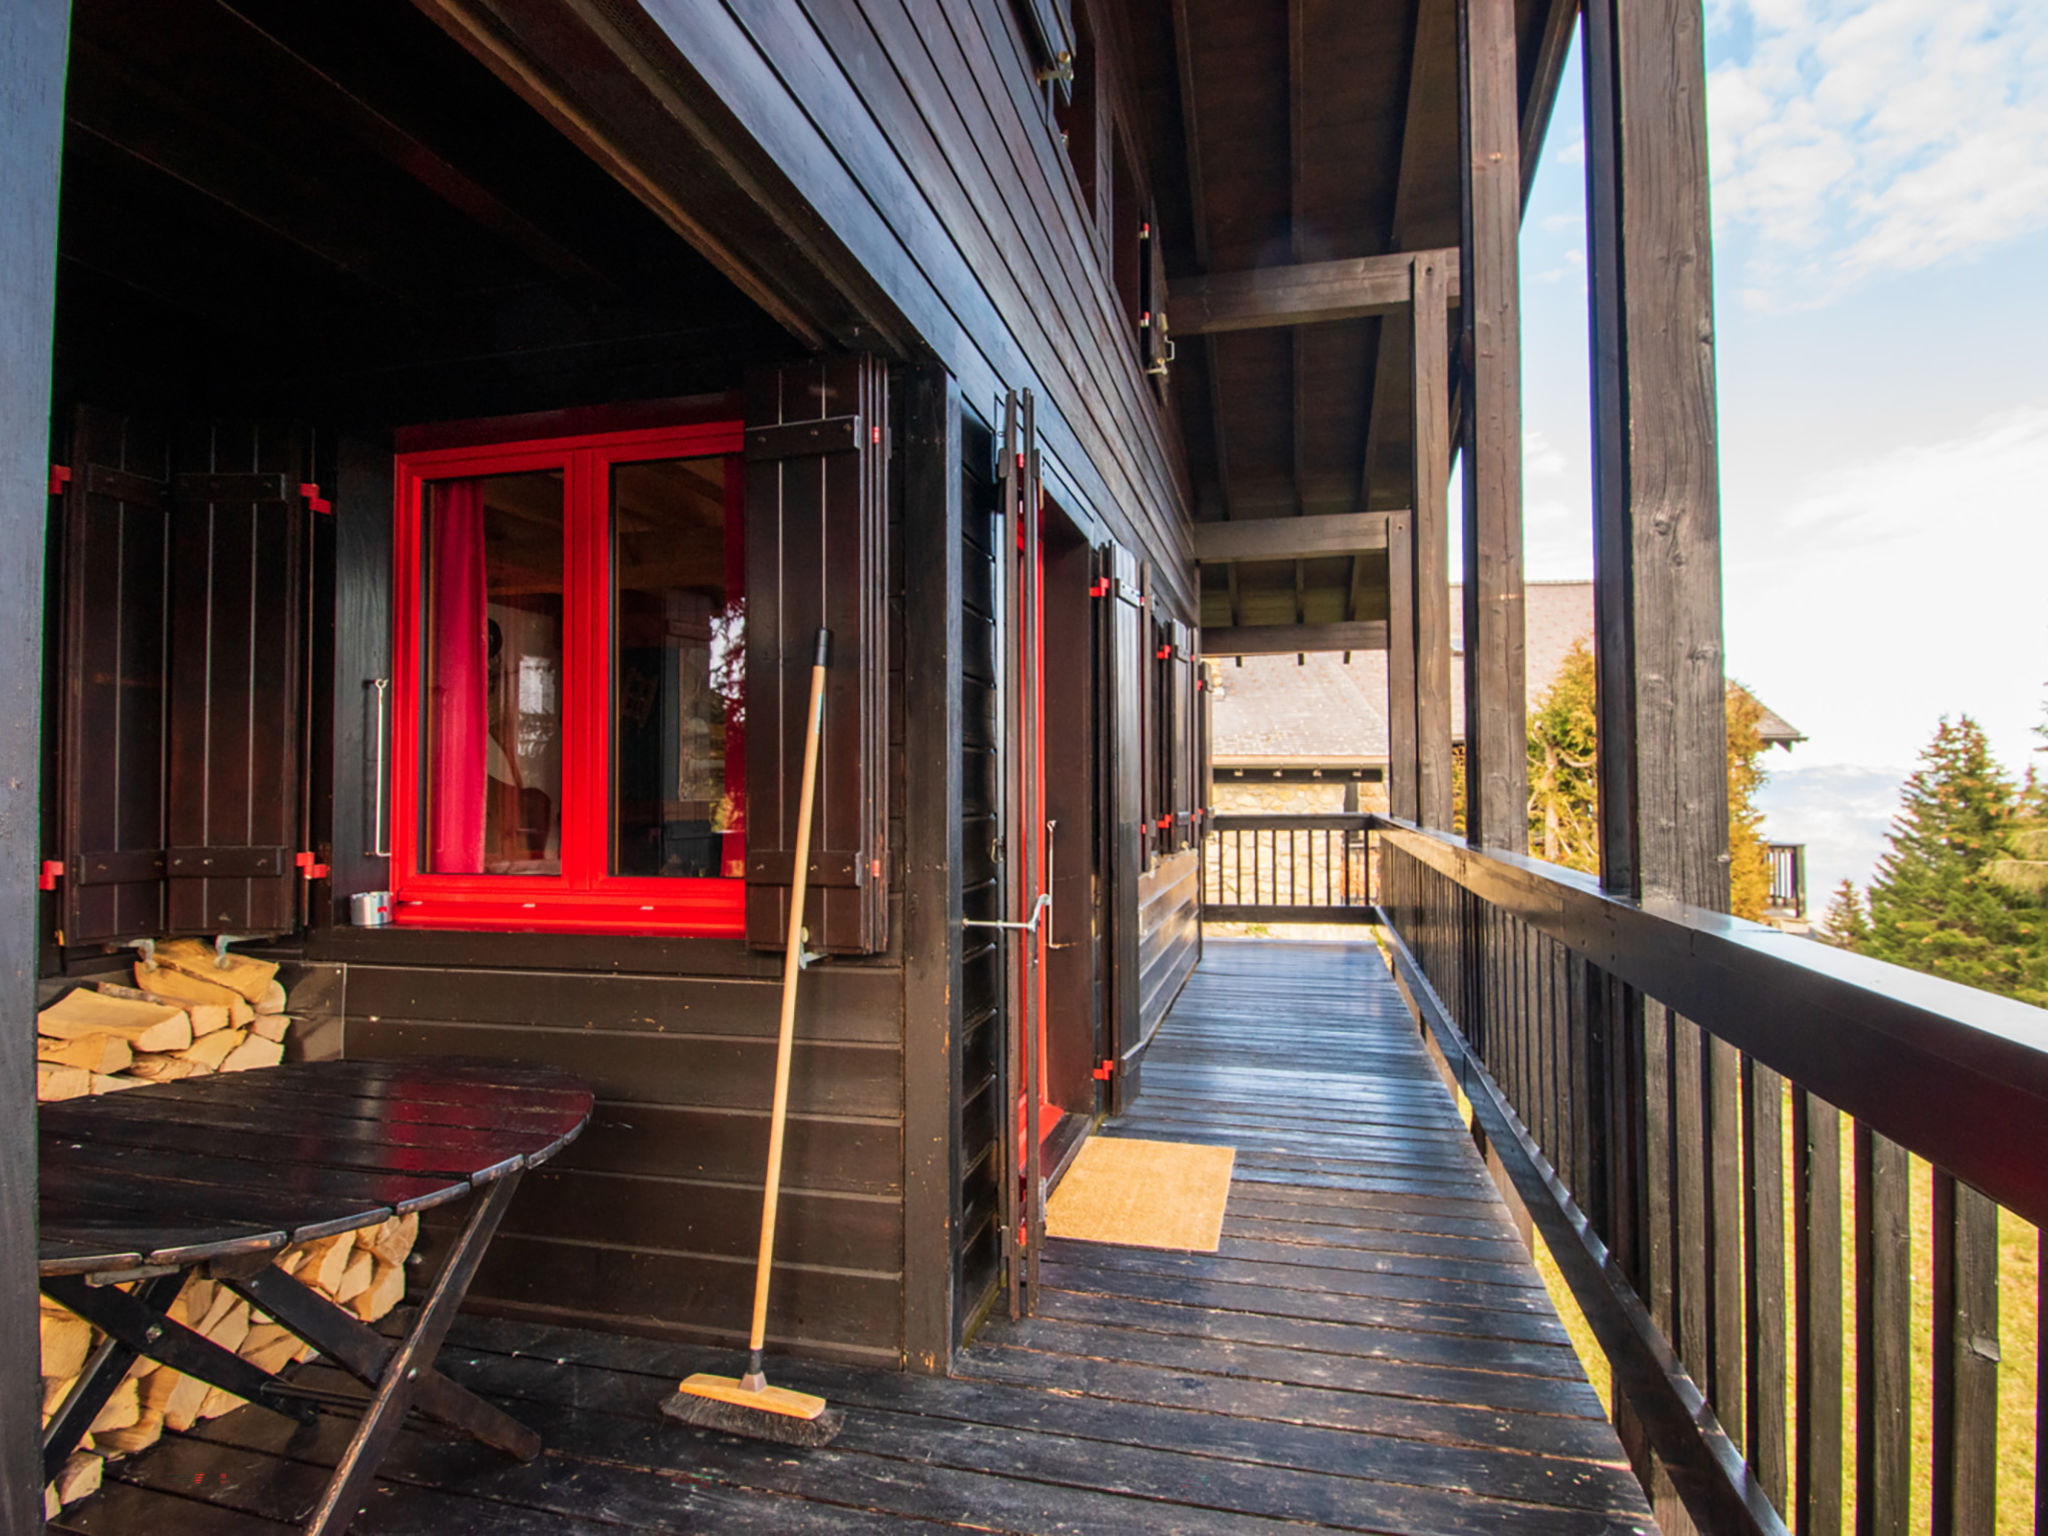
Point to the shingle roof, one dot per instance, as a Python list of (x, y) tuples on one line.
[(1320, 712)]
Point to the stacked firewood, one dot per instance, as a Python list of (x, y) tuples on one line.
[(186, 1016)]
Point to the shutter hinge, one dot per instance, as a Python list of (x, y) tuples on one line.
[(1165, 823), (875, 436), (51, 872), (312, 870), (1106, 1071), (60, 476), (1166, 653), (1099, 588), (315, 502)]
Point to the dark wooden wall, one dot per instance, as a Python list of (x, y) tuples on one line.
[(32, 41), (1169, 932)]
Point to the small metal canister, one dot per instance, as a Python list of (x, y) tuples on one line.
[(370, 909)]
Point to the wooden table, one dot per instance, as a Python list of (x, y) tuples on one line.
[(225, 1172)]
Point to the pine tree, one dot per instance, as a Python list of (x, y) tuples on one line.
[(1845, 926), (1563, 789), (2023, 869), (1934, 905)]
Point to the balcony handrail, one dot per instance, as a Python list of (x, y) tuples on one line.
[(1955, 1074)]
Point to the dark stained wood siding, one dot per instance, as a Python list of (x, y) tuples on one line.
[(648, 1223), (1169, 933)]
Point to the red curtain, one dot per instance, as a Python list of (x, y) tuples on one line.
[(457, 676)]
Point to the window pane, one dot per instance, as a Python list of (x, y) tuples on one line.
[(678, 672), (493, 663)]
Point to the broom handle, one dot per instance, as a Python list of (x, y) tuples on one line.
[(792, 962)]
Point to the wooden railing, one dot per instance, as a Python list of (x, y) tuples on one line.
[(1286, 869), (1636, 1071), (1788, 878)]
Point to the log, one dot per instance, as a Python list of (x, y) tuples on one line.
[(206, 1017), (272, 1000), (107, 1083), (55, 1390), (193, 1302), (167, 1068), (253, 1052), (392, 1240), (385, 1291), (52, 1505), (145, 1026), (355, 1280), (122, 1409), (238, 973), (216, 1048), (271, 1026), (79, 1478), (219, 1400), (66, 1340), (183, 989), (54, 1082), (230, 1328), (271, 1347), (100, 1052), (180, 1400), (139, 1436), (327, 1261)]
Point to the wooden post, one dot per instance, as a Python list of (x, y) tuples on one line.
[(1404, 787), (1657, 546), (932, 861), (33, 35), (1430, 438), (1496, 731)]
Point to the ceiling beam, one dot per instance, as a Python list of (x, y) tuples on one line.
[(1293, 639), (1290, 538), (1303, 294), (1198, 216), (1297, 171)]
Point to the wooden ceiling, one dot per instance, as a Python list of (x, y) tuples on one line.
[(1283, 132)]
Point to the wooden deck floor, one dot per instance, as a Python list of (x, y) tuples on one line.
[(1370, 1350)]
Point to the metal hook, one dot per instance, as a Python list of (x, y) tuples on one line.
[(147, 948)]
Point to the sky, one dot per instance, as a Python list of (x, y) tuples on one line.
[(1880, 198)]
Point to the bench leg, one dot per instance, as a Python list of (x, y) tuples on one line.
[(411, 1363)]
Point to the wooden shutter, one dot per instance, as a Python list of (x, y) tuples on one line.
[(1156, 337), (232, 790), (817, 450), (116, 559), (1129, 774), (1182, 676)]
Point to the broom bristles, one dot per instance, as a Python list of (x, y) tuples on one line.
[(752, 1423)]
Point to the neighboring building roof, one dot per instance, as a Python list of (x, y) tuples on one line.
[(1320, 712)]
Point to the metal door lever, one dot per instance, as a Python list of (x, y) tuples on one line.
[(1038, 911)]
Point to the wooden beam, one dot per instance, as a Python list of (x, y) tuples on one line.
[(1290, 538), (1287, 639), (1496, 727), (32, 48), (1656, 492), (1404, 789), (932, 521), (1307, 293), (1546, 73), (1430, 443), (1297, 171)]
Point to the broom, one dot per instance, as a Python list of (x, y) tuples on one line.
[(747, 1405)]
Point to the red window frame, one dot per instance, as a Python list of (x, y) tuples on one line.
[(584, 897)]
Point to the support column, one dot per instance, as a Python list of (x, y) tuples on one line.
[(1404, 789), (1496, 729), (1429, 348), (1663, 764), (33, 36)]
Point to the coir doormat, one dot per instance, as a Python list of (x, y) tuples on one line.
[(1145, 1194)]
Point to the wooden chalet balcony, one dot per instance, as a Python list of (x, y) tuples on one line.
[(1371, 1349)]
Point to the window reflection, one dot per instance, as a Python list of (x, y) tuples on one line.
[(493, 769), (678, 671)]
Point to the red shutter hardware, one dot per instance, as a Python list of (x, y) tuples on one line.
[(1099, 588), (52, 871), (1105, 1072), (1165, 652), (60, 476), (312, 871), (310, 494)]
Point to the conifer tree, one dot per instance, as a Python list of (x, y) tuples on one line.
[(1563, 787), (1845, 926), (2023, 868), (1934, 905)]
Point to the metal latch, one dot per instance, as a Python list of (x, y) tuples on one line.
[(1038, 912)]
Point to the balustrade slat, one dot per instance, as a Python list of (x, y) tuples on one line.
[(1817, 1309), (1689, 1200), (1726, 1303), (1764, 1233), (1966, 1351), (1654, 1197), (1884, 1325)]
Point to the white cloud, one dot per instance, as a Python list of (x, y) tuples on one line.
[(1860, 137)]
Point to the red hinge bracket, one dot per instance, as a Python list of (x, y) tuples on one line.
[(1105, 1072), (312, 870), (310, 493), (51, 872), (1099, 588), (1166, 653), (60, 476)]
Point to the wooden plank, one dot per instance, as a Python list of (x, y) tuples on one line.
[(932, 856), (1966, 1359), (32, 52), (1287, 639), (1765, 1310), (1727, 1308), (1884, 1325), (1290, 538), (1308, 293), (1496, 733), (1657, 564), (1430, 436), (1817, 1303)]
